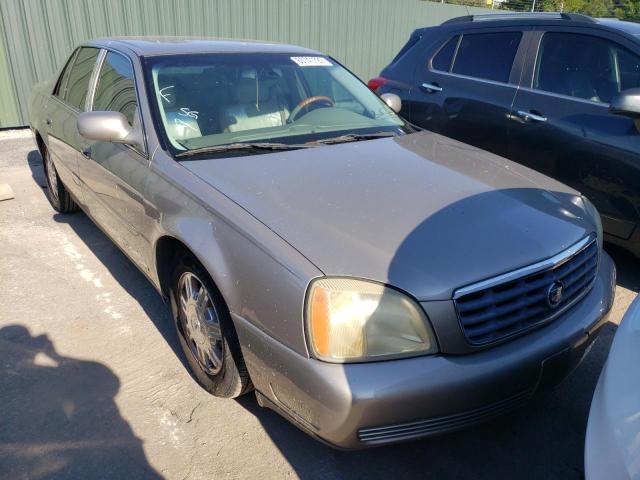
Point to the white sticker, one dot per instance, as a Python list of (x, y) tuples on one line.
[(312, 61)]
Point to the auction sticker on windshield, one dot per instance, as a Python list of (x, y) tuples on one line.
[(312, 61)]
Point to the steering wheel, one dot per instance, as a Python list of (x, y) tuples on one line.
[(306, 102)]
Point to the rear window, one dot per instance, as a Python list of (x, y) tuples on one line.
[(444, 57), (487, 55)]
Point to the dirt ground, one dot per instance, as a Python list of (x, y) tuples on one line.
[(93, 385)]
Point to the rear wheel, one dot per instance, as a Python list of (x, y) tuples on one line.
[(206, 332), (57, 194)]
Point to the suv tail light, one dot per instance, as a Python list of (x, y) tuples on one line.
[(376, 82)]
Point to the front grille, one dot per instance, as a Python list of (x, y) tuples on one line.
[(517, 301), (439, 425)]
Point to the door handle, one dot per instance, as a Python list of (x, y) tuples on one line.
[(431, 87), (528, 116)]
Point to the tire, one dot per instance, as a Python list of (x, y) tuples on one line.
[(230, 378), (57, 194)]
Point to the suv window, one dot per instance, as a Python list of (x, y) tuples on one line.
[(444, 57), (75, 92), (584, 66), (116, 88), (487, 55)]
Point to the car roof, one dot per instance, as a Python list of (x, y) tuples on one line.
[(168, 45), (546, 18), (627, 27)]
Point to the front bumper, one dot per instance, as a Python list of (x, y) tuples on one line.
[(359, 405)]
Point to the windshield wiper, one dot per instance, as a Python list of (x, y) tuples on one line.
[(353, 137), (241, 146)]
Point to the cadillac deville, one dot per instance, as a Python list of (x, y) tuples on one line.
[(372, 283)]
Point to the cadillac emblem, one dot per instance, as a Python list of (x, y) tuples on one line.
[(554, 294)]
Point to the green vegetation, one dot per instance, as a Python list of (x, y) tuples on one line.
[(622, 9)]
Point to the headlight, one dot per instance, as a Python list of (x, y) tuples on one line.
[(351, 320), (593, 213)]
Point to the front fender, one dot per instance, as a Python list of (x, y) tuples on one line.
[(261, 277)]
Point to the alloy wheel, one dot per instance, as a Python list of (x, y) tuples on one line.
[(200, 323), (52, 176)]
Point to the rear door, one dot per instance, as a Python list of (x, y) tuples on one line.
[(562, 125), (61, 115), (466, 89), (114, 174)]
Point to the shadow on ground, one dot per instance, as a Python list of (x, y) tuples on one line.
[(122, 270), (59, 417), (545, 439)]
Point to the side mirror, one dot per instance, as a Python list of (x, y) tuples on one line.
[(109, 127), (627, 103), (393, 101)]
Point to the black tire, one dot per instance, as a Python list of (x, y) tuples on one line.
[(232, 380), (57, 194)]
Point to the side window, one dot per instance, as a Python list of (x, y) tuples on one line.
[(487, 55), (584, 66), (116, 88), (629, 68), (63, 79), (442, 60), (77, 86)]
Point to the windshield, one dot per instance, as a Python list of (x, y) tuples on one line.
[(209, 100)]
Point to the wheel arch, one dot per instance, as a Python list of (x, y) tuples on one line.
[(39, 141), (167, 248)]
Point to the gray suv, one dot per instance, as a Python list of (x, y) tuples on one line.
[(373, 284)]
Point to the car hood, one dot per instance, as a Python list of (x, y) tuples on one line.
[(422, 212)]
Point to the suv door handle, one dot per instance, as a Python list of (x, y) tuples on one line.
[(528, 116), (431, 87)]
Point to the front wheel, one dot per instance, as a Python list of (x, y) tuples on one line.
[(206, 332), (57, 194)]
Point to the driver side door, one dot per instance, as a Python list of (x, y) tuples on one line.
[(114, 174)]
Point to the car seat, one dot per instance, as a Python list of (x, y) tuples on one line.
[(258, 103)]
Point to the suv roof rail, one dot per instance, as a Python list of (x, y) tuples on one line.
[(575, 17)]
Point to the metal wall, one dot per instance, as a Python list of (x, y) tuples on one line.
[(36, 36)]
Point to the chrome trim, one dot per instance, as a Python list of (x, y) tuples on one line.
[(547, 264), (431, 87), (564, 97), (531, 116), (93, 82), (482, 80)]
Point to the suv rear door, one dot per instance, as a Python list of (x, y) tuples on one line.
[(562, 125), (466, 89)]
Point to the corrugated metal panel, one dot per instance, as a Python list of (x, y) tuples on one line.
[(36, 36), (9, 114)]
